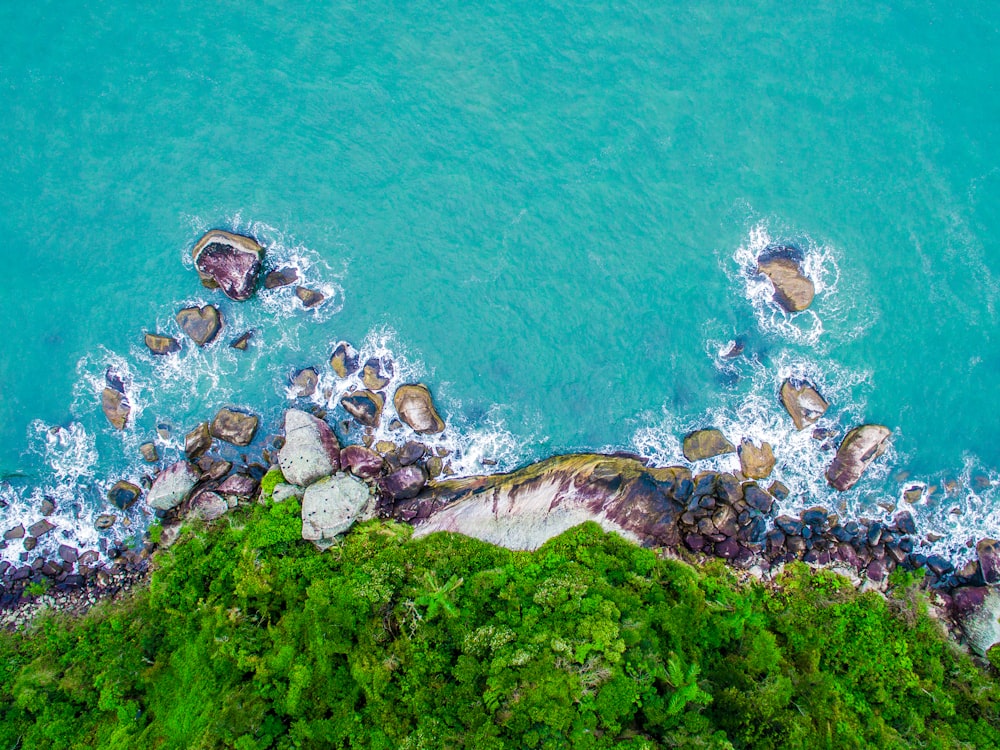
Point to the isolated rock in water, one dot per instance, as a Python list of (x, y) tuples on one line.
[(105, 521), (149, 453), (281, 277), (172, 486), (304, 382), (202, 324), (208, 505), (331, 506), (860, 447), (242, 341), (404, 483), (116, 407), (415, 406), (311, 450), (706, 443), (310, 297), (162, 344), (123, 494), (372, 375), (230, 262), (524, 509), (756, 463), (793, 290), (344, 360), (234, 427), (802, 402), (978, 611), (361, 461), (364, 406), (197, 441)]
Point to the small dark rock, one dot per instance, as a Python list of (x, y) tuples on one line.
[(756, 498), (411, 452), (15, 533), (149, 453), (940, 566), (790, 526), (814, 517), (30, 542), (197, 441), (123, 494), (68, 554), (404, 483), (364, 406), (344, 360), (48, 507), (310, 297), (281, 277), (242, 341), (304, 382)]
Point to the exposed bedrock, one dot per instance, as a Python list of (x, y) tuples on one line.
[(523, 509), (311, 450), (230, 262), (860, 447)]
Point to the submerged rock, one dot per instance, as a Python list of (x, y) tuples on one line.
[(860, 447), (803, 403), (364, 406), (360, 461), (706, 443), (756, 463), (311, 450), (331, 506), (235, 427), (281, 277), (202, 324), (230, 262), (415, 407), (793, 290), (123, 494), (116, 407), (161, 345), (344, 360), (172, 486)]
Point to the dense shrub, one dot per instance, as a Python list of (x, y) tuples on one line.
[(249, 638)]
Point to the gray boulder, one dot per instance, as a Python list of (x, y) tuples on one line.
[(860, 447), (311, 450), (172, 486), (208, 506), (331, 506), (284, 491)]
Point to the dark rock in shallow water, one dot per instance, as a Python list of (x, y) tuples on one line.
[(361, 461), (364, 406), (372, 375), (281, 277), (202, 324), (904, 522), (40, 528), (68, 554), (757, 499), (116, 407), (161, 345), (235, 427), (415, 407), (411, 452), (48, 507), (242, 341), (304, 382), (16, 532), (230, 262), (344, 360), (197, 441), (123, 494), (310, 297), (803, 403), (706, 443), (860, 447)]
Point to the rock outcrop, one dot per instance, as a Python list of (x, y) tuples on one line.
[(756, 463), (365, 406), (172, 486), (415, 407), (331, 506), (859, 448), (803, 403), (116, 407), (793, 290), (344, 360), (707, 443), (123, 494), (235, 427), (197, 441), (230, 262), (202, 324), (311, 450), (361, 461), (161, 345)]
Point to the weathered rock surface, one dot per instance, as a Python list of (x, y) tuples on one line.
[(988, 553), (172, 486), (978, 611), (793, 290), (310, 297), (361, 461), (105, 521), (235, 427), (230, 262), (365, 406), (197, 441), (331, 506), (344, 360), (523, 509), (162, 345), (756, 463), (707, 443), (311, 450), (803, 403), (208, 505), (238, 486), (116, 407), (285, 491), (149, 453), (304, 382), (860, 447), (415, 407), (404, 483), (372, 375), (281, 277), (123, 494), (202, 324), (40, 528), (242, 341)]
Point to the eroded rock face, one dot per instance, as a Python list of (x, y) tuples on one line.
[(977, 609), (403, 483), (415, 407), (234, 427), (172, 486), (707, 443), (361, 461), (524, 509), (803, 403), (860, 447), (230, 262), (344, 360), (331, 506), (311, 450), (756, 463), (202, 324), (161, 345), (208, 506), (116, 407), (793, 290), (197, 441), (365, 406)]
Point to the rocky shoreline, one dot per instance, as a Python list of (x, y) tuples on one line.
[(677, 509)]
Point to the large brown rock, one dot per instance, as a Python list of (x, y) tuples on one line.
[(161, 345), (311, 450), (793, 290), (197, 441), (756, 463), (234, 427), (860, 447), (803, 403), (373, 376), (360, 461), (415, 406), (344, 360), (404, 483), (202, 324), (116, 407), (230, 262), (706, 443), (364, 406)]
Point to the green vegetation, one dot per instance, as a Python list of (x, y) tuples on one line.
[(249, 638)]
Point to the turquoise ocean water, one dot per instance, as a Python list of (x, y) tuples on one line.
[(545, 211)]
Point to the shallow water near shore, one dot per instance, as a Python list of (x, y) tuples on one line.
[(546, 213)]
